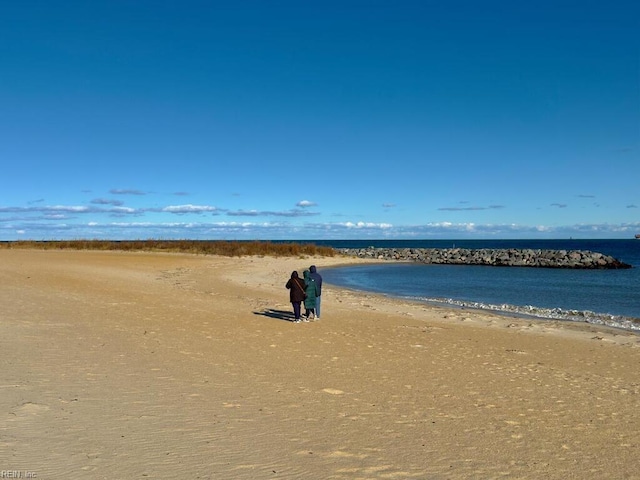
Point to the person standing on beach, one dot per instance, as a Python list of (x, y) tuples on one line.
[(311, 289), (313, 273), (296, 294)]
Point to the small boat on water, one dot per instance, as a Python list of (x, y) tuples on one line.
[(638, 235)]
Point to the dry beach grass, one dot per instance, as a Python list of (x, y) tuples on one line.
[(172, 365)]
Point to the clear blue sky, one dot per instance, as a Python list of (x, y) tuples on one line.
[(319, 120)]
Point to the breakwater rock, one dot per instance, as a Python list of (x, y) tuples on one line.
[(512, 257)]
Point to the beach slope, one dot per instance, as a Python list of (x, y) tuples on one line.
[(143, 365)]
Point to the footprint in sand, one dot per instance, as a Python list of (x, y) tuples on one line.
[(332, 391), (28, 410)]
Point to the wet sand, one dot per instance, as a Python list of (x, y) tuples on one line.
[(140, 365)]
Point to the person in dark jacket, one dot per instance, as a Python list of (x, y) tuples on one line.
[(311, 289), (313, 273), (296, 288)]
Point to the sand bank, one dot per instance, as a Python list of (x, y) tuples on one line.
[(127, 365)]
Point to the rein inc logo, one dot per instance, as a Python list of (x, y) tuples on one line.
[(17, 474)]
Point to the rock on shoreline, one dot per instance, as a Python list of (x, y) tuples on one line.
[(512, 257)]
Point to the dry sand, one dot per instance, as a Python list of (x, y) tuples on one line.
[(137, 365)]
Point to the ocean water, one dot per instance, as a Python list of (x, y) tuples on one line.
[(609, 297)]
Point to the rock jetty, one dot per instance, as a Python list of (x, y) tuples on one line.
[(512, 257)]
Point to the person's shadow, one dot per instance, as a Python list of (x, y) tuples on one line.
[(285, 315)]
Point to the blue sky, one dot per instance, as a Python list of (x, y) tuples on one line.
[(319, 120)]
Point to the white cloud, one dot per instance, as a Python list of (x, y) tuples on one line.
[(123, 210), (182, 209), (47, 230), (267, 213), (64, 208), (64, 222), (367, 225)]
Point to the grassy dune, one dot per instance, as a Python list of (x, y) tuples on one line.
[(205, 247)]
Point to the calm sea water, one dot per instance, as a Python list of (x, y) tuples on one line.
[(610, 297)]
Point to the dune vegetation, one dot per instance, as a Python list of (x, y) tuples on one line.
[(203, 247)]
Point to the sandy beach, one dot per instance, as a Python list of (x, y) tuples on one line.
[(142, 365)]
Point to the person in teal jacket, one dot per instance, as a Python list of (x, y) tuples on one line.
[(311, 289), (318, 279)]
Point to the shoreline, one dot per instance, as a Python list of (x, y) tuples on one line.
[(586, 317), (164, 365), (501, 304)]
